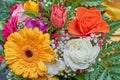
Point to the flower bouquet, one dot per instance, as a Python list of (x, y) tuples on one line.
[(59, 40)]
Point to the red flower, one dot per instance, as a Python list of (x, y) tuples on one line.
[(1, 60), (58, 16)]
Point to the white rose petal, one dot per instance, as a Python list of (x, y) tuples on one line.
[(95, 52), (79, 53), (55, 67)]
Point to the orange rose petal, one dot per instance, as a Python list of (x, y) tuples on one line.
[(81, 11), (72, 28), (104, 27), (95, 11)]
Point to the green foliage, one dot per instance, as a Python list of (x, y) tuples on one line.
[(21, 1), (109, 77), (91, 3), (1, 42), (110, 47), (3, 66), (3, 23), (79, 77), (32, 14), (1, 38), (5, 6), (1, 51), (114, 25), (102, 76), (108, 67), (101, 8), (4, 12), (18, 77), (75, 4)]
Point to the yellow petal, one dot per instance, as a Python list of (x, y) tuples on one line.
[(113, 10), (31, 6), (115, 38), (42, 66)]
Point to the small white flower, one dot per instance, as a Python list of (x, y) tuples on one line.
[(79, 53), (55, 67)]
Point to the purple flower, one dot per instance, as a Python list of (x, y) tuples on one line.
[(41, 4), (32, 23)]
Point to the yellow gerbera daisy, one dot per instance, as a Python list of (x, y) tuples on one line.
[(27, 50), (31, 6)]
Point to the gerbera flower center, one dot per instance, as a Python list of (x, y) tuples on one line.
[(29, 53)]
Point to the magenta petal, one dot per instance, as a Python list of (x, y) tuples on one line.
[(10, 27), (32, 23)]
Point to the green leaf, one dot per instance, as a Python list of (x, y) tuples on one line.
[(114, 25), (4, 16), (102, 76), (5, 6), (1, 39), (87, 76), (109, 78), (75, 4), (46, 20), (115, 68), (109, 64), (1, 51), (3, 66), (91, 3), (2, 23), (32, 14), (115, 76), (56, 1), (101, 8), (19, 77), (79, 77)]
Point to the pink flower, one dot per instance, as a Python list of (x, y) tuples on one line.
[(58, 16), (17, 10), (10, 27), (1, 59)]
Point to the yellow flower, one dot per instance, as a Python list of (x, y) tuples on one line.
[(113, 12), (31, 6), (44, 78), (113, 9), (27, 50)]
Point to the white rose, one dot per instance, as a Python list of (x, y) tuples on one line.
[(55, 67), (79, 53)]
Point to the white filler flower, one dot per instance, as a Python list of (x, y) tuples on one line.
[(79, 53)]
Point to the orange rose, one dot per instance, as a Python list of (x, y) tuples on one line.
[(87, 21)]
